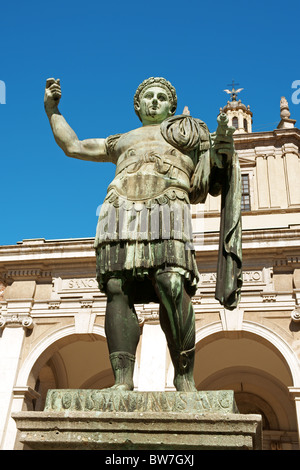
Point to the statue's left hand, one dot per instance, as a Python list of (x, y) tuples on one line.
[(223, 144)]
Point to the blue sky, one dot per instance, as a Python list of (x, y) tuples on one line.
[(101, 51)]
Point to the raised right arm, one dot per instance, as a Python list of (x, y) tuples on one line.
[(65, 137)]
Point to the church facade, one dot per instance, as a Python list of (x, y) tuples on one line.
[(52, 313)]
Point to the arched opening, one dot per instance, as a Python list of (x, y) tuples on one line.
[(74, 361), (259, 375), (235, 122)]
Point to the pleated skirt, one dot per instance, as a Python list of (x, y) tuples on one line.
[(136, 240)]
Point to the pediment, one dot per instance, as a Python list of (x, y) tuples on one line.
[(247, 162)]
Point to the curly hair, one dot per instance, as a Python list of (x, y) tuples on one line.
[(159, 81)]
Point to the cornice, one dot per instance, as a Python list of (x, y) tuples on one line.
[(40, 259), (33, 261), (257, 241), (41, 249), (276, 135)]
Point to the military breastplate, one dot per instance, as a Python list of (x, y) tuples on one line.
[(148, 166)]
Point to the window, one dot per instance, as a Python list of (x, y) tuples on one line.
[(245, 125), (245, 206), (235, 122)]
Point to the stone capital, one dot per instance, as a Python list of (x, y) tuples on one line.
[(15, 320), (295, 393), (26, 393)]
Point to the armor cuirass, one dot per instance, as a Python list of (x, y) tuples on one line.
[(147, 166)]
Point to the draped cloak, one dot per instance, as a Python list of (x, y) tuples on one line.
[(132, 253)]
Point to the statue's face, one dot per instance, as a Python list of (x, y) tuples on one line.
[(154, 105)]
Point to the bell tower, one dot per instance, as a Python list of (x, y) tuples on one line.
[(239, 115)]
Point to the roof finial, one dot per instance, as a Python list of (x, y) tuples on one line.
[(233, 92), (285, 122), (284, 108)]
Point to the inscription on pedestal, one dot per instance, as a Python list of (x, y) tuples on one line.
[(116, 401)]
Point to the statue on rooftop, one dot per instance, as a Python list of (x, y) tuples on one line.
[(144, 241)]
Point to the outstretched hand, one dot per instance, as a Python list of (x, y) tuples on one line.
[(52, 93), (223, 144)]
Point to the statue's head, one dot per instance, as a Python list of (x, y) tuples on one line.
[(155, 99)]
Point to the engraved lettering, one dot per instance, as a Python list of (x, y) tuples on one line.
[(223, 400), (256, 276), (199, 404), (109, 404), (123, 404), (180, 402), (205, 402), (66, 400), (55, 400), (248, 276), (78, 404), (155, 403), (168, 402), (97, 400), (89, 402), (88, 283)]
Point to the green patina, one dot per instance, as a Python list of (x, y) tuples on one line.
[(144, 241)]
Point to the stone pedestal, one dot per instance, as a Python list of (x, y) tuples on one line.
[(106, 420)]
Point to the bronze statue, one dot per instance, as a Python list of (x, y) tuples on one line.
[(144, 243)]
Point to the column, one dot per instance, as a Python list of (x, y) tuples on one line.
[(292, 172), (10, 350), (21, 396), (262, 182), (14, 320), (152, 376), (295, 392), (276, 182)]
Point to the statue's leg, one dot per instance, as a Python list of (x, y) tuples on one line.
[(177, 320), (122, 332)]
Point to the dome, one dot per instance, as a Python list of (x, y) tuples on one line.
[(238, 113)]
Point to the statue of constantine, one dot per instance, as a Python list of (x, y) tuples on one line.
[(144, 241)]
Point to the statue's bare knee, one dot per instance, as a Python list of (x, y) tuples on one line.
[(114, 287), (169, 285)]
